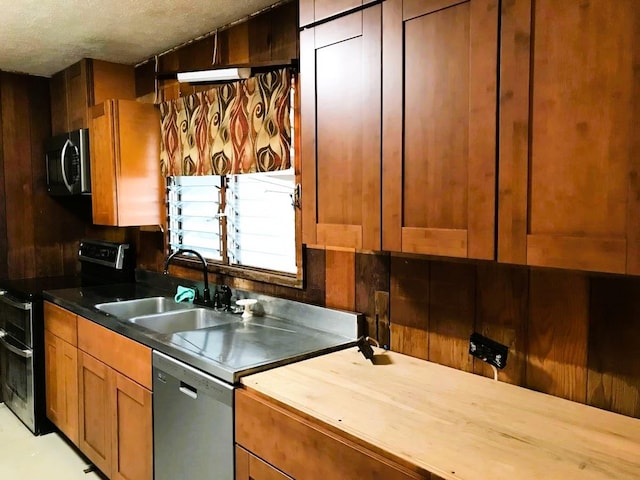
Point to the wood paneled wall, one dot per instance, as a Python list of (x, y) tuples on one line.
[(38, 233)]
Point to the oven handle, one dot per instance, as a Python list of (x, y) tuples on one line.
[(26, 353), (14, 303)]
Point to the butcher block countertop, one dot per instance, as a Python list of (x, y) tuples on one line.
[(455, 424)]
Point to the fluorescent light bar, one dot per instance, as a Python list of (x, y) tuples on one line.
[(214, 75)]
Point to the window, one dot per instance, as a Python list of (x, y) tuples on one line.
[(238, 220)]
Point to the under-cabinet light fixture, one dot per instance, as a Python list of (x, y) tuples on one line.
[(214, 75)]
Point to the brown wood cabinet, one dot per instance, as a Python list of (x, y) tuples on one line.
[(341, 126), (125, 164), (439, 126), (316, 10), (569, 186), (61, 374), (86, 83), (99, 393), (300, 447)]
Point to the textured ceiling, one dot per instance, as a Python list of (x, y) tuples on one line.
[(42, 37)]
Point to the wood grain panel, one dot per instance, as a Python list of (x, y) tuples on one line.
[(436, 138), (614, 365), (120, 353), (501, 314), (452, 293), (137, 168), (242, 464), (581, 118), (112, 80), (18, 184), (4, 240), (132, 434), (409, 293), (483, 91), (315, 271), (328, 8), (94, 405), (392, 129), (515, 52), (435, 241), (263, 471), (61, 364), (557, 334), (304, 449), (347, 117), (61, 323), (340, 279), (346, 236), (409, 341), (308, 136), (371, 280), (580, 253)]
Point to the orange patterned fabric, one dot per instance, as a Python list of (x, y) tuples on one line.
[(239, 127)]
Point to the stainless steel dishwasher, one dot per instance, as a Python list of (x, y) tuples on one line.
[(192, 422)]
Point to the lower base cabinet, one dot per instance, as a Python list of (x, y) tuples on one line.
[(276, 444), (115, 421), (109, 414)]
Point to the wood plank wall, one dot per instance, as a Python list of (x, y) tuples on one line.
[(38, 234)]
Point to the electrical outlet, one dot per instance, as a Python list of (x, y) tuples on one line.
[(488, 350)]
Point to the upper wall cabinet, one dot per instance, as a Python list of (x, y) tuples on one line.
[(569, 187), (312, 11), (84, 84), (126, 187), (439, 126), (341, 124)]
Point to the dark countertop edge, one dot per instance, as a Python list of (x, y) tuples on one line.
[(82, 301)]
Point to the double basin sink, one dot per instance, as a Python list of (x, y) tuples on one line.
[(164, 315)]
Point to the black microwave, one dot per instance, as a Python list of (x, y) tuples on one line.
[(67, 163)]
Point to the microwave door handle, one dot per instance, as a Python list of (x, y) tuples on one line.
[(62, 155), (26, 353)]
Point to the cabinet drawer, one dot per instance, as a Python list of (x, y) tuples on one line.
[(303, 449), (61, 322), (126, 356)]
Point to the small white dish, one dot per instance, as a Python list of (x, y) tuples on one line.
[(246, 303)]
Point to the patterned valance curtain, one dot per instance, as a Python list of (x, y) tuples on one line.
[(239, 127)]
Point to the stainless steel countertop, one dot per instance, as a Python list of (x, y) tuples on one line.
[(227, 351)]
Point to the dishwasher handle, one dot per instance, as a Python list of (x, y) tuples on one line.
[(188, 390)]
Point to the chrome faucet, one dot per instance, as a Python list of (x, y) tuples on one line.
[(206, 296)]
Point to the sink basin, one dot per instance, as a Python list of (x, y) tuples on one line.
[(127, 309), (184, 320)]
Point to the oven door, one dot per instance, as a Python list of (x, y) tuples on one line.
[(16, 375)]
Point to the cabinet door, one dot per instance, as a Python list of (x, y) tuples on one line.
[(61, 381), (569, 146), (125, 164), (439, 126), (132, 436), (95, 406), (341, 95), (77, 85), (250, 467)]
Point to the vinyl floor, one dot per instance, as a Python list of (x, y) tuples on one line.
[(26, 457)]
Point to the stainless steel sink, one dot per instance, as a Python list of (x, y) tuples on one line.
[(127, 309), (184, 321)]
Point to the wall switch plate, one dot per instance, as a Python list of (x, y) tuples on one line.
[(488, 350)]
